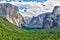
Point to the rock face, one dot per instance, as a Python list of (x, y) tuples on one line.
[(37, 21), (10, 12), (53, 19), (46, 20)]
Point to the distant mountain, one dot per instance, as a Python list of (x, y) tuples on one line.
[(37, 21), (11, 13), (9, 31), (46, 20), (53, 19)]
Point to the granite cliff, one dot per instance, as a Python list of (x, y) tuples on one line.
[(11, 13), (46, 20)]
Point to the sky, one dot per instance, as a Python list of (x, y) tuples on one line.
[(34, 6), (34, 0), (25, 0), (15, 2)]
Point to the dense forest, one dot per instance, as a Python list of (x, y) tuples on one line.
[(9, 31)]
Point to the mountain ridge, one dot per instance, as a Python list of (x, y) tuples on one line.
[(46, 20), (11, 13)]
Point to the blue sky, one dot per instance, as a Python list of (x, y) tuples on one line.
[(34, 0), (27, 0), (25, 8)]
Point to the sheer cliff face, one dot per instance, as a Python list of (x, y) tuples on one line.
[(10, 12), (56, 10), (46, 20)]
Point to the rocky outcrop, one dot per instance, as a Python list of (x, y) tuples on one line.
[(10, 12), (46, 20), (37, 22), (53, 19)]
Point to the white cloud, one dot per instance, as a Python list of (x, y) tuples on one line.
[(36, 6), (51, 3)]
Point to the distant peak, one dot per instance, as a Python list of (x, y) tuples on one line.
[(57, 7)]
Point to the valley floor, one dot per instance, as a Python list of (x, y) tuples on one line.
[(9, 31)]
